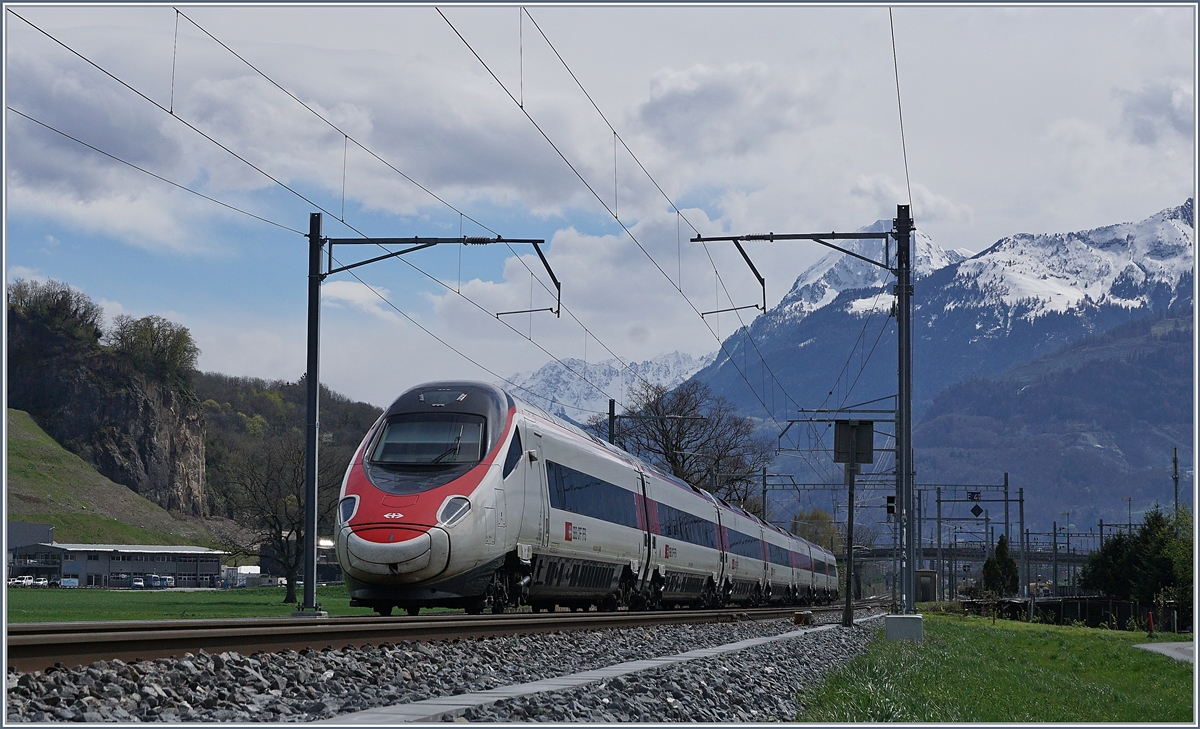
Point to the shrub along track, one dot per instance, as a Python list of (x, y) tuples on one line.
[(36, 646)]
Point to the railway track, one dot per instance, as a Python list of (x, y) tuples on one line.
[(36, 646)]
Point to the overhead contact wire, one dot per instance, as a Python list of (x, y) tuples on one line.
[(273, 179), (599, 199), (454, 349), (390, 166), (333, 126), (152, 174)]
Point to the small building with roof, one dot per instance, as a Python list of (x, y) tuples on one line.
[(117, 565)]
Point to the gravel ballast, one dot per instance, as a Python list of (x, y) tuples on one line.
[(756, 684)]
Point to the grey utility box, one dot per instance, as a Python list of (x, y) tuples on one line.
[(904, 627)]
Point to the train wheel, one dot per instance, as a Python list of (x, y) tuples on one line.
[(475, 607), (383, 610), (413, 610)]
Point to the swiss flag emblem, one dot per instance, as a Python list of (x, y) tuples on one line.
[(568, 535)]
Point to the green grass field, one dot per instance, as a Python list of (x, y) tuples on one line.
[(969, 670), (26, 605)]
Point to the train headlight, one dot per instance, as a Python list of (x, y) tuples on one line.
[(347, 509), (453, 511)]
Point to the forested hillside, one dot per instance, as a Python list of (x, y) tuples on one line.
[(244, 414), (1082, 428)]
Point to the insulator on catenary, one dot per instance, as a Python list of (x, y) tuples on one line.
[(477, 240)]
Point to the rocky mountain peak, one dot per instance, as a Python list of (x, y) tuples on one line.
[(836, 272), (1126, 265)]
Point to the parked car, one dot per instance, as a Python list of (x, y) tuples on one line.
[(138, 583), (41, 582)]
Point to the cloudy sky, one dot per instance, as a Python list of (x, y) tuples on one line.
[(745, 119)]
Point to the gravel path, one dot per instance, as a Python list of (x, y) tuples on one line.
[(751, 685)]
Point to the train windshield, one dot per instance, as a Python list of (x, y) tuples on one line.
[(431, 439)]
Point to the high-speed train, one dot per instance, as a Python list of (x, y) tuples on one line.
[(462, 495)]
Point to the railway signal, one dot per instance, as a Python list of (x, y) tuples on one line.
[(853, 443)]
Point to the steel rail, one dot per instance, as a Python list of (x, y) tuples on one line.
[(36, 646)]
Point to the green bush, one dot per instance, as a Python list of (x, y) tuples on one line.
[(156, 346)]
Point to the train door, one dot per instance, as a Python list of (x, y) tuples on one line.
[(723, 546), (645, 553), (537, 467), (501, 525)]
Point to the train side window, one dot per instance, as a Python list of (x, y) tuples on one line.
[(514, 453)]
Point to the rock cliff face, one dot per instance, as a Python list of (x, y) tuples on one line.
[(136, 432)]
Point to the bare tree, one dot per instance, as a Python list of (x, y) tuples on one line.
[(267, 498), (695, 436)]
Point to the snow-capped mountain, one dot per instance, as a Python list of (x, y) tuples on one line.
[(583, 390), (836, 272), (1129, 265), (1024, 296)]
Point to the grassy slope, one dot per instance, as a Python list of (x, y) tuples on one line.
[(50, 485), (969, 670)]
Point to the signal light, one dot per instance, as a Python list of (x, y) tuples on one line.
[(891, 505)]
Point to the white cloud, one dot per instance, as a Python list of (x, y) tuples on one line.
[(790, 126), (112, 309), (29, 274), (927, 206), (370, 299), (1159, 108)]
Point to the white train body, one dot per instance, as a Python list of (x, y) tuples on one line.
[(463, 495)]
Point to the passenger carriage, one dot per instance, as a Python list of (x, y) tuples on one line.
[(462, 495)]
